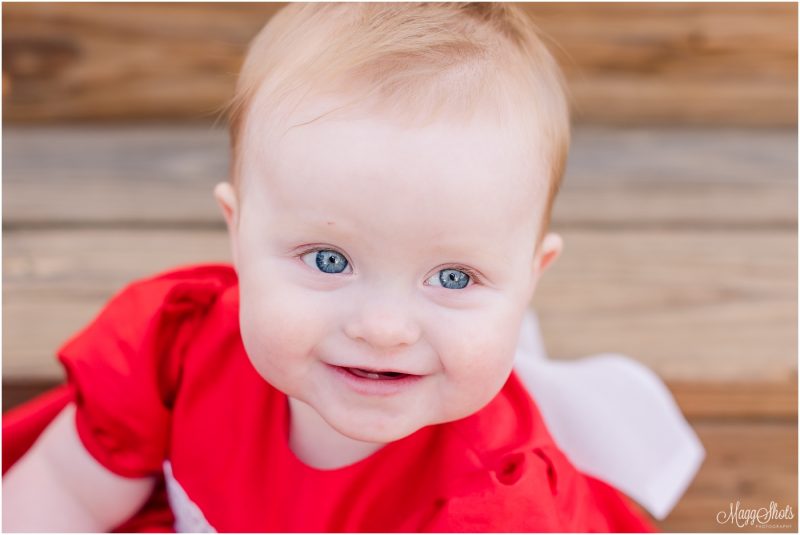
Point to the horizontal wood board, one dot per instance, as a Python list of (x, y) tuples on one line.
[(754, 463), (616, 177), (625, 63)]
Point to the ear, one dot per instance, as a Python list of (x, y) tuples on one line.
[(226, 198), (549, 249)]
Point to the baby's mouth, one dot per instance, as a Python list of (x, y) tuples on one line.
[(374, 374)]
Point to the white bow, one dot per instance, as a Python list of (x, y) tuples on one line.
[(614, 419)]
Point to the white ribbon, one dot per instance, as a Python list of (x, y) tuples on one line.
[(614, 419)]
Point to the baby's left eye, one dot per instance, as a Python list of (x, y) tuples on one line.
[(452, 279)]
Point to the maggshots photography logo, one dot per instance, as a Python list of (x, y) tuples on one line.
[(771, 517)]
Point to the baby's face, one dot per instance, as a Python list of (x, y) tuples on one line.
[(384, 270)]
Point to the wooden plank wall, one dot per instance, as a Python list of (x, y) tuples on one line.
[(679, 209), (627, 63)]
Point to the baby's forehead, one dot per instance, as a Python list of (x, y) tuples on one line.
[(476, 167), (320, 146), (472, 182)]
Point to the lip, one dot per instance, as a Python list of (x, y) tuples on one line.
[(374, 387)]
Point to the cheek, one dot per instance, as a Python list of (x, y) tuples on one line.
[(280, 328), (477, 358)]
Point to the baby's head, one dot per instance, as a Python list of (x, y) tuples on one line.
[(393, 171)]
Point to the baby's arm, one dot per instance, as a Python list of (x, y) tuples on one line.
[(58, 486)]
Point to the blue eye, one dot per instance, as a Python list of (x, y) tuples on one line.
[(327, 261), (452, 279)]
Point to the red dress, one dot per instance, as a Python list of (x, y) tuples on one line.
[(163, 387)]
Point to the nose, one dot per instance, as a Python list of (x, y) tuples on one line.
[(383, 323)]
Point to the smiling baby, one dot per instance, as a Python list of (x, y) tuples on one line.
[(392, 176)]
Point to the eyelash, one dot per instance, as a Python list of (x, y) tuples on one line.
[(473, 275), (318, 248)]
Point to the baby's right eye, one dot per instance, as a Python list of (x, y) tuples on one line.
[(326, 260)]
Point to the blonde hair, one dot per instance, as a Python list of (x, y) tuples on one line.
[(418, 60)]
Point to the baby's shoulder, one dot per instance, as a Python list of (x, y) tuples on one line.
[(197, 283), (127, 364), (534, 490), (514, 476), (149, 322)]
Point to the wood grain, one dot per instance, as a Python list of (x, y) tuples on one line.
[(626, 63), (752, 462), (704, 398), (616, 178), (677, 63), (688, 303)]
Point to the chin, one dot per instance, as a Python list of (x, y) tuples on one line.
[(369, 430)]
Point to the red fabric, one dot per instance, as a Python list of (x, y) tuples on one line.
[(629, 518), (162, 374)]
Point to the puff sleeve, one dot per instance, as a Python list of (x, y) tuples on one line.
[(125, 367)]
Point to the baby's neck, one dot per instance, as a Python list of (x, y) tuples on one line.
[(319, 445)]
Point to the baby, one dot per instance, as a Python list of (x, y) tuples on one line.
[(393, 172)]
